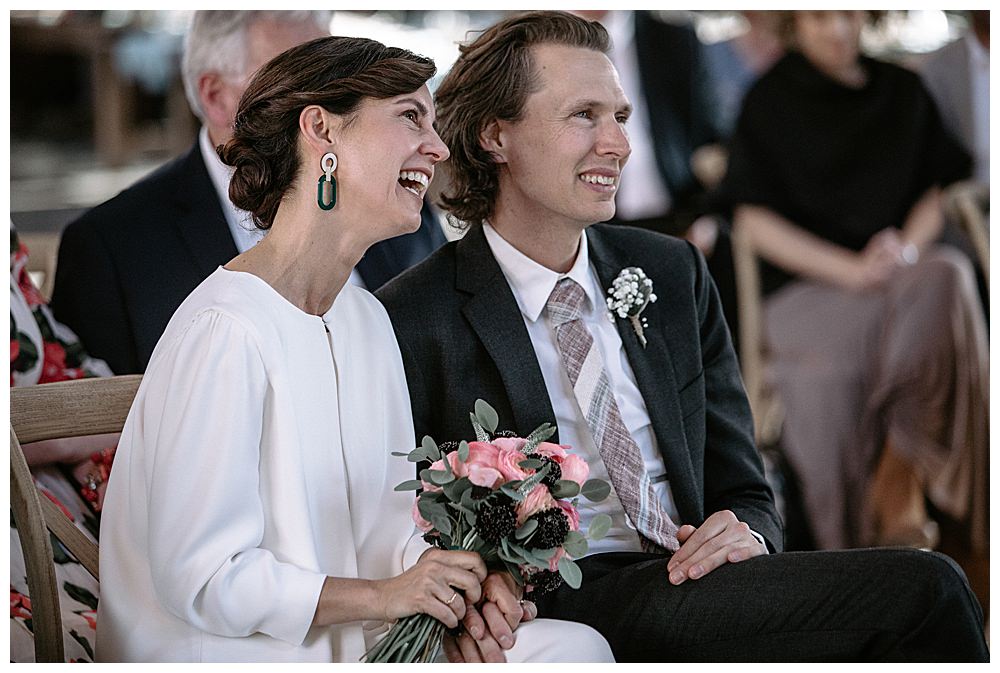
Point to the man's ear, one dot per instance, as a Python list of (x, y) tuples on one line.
[(319, 128), (215, 106), (491, 139)]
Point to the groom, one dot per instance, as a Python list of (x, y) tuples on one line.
[(515, 313)]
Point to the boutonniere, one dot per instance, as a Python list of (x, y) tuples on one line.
[(629, 295)]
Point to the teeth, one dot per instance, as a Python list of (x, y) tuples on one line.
[(598, 179), (414, 176)]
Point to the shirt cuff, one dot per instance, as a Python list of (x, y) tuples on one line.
[(760, 538)]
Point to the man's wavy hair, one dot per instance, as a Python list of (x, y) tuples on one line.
[(491, 80)]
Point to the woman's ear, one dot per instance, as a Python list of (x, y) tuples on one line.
[(491, 139), (319, 128)]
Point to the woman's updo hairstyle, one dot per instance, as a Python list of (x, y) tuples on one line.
[(336, 73)]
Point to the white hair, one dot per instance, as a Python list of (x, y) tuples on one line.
[(216, 41)]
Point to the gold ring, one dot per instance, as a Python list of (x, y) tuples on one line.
[(452, 599)]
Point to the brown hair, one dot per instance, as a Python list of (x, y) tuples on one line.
[(492, 80), (333, 72)]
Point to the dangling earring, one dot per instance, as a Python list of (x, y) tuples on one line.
[(328, 164)]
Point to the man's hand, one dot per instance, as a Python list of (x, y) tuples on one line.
[(489, 630), (721, 539)]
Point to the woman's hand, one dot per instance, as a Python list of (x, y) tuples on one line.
[(434, 587), (885, 252)]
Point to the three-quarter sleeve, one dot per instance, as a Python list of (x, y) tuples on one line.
[(202, 413)]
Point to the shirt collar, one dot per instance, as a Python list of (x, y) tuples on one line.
[(531, 282), (219, 172)]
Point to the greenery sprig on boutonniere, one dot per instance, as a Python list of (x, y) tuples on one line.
[(629, 295)]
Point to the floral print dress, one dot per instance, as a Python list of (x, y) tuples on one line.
[(41, 351)]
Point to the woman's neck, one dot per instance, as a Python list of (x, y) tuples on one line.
[(306, 257)]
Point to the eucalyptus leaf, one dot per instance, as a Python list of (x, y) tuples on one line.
[(595, 490), (463, 451), (431, 449), (576, 548), (570, 572), (565, 488), (455, 489), (442, 523), (545, 553), (486, 415), (599, 526), (530, 464), (574, 536), (400, 453), (527, 529), (441, 477), (409, 485), (534, 480), (430, 508)]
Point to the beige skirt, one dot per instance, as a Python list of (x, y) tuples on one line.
[(906, 363)]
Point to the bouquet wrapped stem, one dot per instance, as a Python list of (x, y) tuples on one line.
[(511, 500)]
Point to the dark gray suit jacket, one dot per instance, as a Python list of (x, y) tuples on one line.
[(462, 337)]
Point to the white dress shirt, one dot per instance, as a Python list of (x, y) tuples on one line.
[(241, 226), (979, 75), (532, 284)]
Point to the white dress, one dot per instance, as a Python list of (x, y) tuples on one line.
[(254, 463)]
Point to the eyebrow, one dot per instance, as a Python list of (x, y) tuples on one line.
[(589, 103), (421, 108)]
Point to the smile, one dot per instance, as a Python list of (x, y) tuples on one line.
[(594, 179), (414, 181)]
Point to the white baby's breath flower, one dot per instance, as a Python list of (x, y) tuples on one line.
[(628, 297)]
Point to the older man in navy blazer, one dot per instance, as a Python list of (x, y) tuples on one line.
[(126, 265), (515, 313)]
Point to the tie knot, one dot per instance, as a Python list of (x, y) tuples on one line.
[(566, 302)]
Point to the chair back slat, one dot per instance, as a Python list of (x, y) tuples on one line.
[(72, 408), (51, 411)]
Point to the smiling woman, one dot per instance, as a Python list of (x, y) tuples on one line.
[(251, 515)]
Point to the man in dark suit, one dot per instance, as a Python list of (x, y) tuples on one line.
[(126, 265), (515, 313)]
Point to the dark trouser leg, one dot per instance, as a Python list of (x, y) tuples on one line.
[(851, 605)]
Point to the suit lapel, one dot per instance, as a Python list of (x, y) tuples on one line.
[(652, 366), (496, 319), (202, 225)]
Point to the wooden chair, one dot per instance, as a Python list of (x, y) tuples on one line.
[(968, 205), (50, 411)]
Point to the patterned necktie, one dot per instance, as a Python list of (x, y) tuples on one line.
[(618, 450)]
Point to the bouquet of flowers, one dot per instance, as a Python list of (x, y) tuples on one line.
[(513, 500)]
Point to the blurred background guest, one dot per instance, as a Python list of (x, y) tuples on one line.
[(876, 343), (70, 472), (126, 265), (958, 76), (735, 64)]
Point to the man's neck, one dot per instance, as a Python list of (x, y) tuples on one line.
[(553, 247)]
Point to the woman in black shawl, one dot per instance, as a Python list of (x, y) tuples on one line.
[(876, 342)]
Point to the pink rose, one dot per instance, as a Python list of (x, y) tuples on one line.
[(481, 453), (507, 463), (481, 475), (537, 500), (574, 468), (571, 514), (423, 525), (511, 443), (555, 451)]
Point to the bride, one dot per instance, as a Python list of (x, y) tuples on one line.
[(250, 515)]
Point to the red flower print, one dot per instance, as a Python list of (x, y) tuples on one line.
[(54, 367), (90, 616), (15, 349), (20, 605)]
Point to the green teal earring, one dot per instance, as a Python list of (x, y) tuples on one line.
[(329, 164)]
